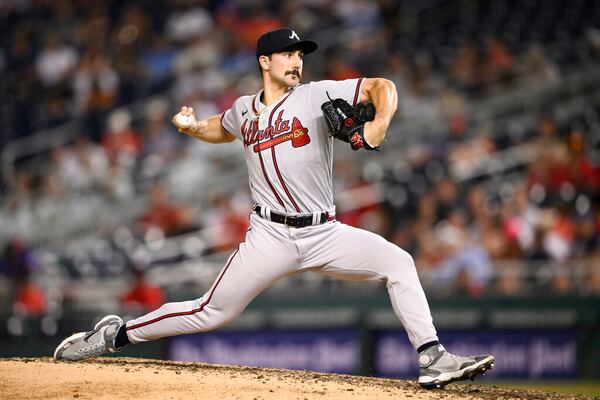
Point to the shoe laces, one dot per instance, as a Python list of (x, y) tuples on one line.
[(102, 345)]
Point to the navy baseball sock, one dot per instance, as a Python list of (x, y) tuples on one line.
[(122, 339), (427, 345)]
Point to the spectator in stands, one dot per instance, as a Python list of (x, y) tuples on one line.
[(62, 19), (160, 142), (520, 218), (201, 53), (130, 71), (558, 241), (158, 62), (562, 281), (447, 193), (143, 295), (464, 71), (21, 196), (550, 166), (187, 21), (429, 248), (224, 226), (56, 111), (467, 264), (358, 15), (18, 263), (162, 213), (18, 260), (584, 174), (118, 185), (56, 61), (339, 68), (587, 235), (499, 66), (397, 69), (357, 200), (510, 279), (95, 83), (121, 141), (537, 66), (256, 19), (468, 147), (478, 204), (203, 105), (81, 167), (134, 27), (536, 252), (29, 299), (95, 89)]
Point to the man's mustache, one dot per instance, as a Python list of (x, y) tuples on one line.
[(293, 72)]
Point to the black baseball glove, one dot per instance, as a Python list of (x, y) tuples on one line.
[(346, 123)]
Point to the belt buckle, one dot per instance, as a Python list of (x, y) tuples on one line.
[(292, 220)]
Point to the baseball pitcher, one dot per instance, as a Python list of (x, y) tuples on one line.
[(287, 131)]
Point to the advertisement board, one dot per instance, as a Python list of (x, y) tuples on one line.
[(316, 350), (519, 354)]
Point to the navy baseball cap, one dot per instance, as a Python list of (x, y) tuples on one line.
[(281, 39)]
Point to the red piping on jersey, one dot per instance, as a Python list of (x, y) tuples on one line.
[(357, 91), (253, 106), (194, 311), (275, 158), (221, 121), (262, 165), (282, 181)]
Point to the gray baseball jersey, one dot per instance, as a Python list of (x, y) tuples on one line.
[(289, 157), (288, 150)]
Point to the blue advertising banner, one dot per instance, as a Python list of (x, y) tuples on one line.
[(316, 350), (519, 354)]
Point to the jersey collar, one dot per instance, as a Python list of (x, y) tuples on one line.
[(258, 106)]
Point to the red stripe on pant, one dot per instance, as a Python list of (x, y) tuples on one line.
[(183, 313)]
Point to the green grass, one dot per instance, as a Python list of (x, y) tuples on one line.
[(587, 388)]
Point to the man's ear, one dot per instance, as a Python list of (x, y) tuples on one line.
[(264, 62)]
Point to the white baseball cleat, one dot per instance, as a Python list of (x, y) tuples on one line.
[(96, 342), (439, 368)]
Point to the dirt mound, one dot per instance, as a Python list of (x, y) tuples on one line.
[(119, 378)]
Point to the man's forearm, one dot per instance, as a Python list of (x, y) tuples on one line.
[(209, 130), (384, 96)]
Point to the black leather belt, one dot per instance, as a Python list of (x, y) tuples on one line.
[(296, 221)]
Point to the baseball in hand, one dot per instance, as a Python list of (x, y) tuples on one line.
[(184, 121)]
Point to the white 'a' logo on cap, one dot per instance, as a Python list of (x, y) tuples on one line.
[(294, 35)]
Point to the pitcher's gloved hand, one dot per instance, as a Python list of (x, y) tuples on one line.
[(346, 123)]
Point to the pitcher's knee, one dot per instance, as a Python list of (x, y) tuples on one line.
[(214, 317), (406, 259), (400, 266)]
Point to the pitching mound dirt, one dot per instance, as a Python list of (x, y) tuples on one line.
[(121, 378)]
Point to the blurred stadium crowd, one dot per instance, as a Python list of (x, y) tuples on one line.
[(103, 79)]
